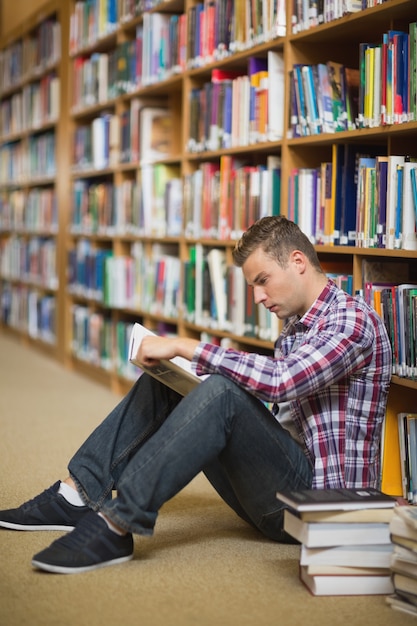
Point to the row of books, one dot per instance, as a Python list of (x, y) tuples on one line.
[(216, 201), (28, 57), (352, 200), (31, 260), (91, 21), (238, 108), (99, 341), (27, 110), (397, 305), (154, 55), (149, 283), (407, 435), (222, 199), (403, 529), (28, 311), (22, 163), (30, 211), (345, 539), (213, 29), (106, 140), (309, 14), (357, 199), (330, 97), (323, 98)]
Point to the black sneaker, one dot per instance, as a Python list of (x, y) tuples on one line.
[(48, 511), (89, 546)]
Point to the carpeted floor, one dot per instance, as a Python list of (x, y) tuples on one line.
[(202, 567)]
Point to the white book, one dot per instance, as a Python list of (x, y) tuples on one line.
[(217, 266), (327, 534), (376, 555), (276, 93), (408, 223), (175, 373), (98, 141), (321, 585), (393, 162)]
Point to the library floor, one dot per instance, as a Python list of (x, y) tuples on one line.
[(202, 567)]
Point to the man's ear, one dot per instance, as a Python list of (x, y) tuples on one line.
[(299, 260)]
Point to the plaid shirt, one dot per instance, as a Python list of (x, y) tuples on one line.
[(333, 366)]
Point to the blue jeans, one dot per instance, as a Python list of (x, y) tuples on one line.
[(155, 442)]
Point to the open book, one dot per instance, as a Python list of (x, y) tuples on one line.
[(175, 373)]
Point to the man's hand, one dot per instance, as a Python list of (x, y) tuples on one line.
[(153, 349)]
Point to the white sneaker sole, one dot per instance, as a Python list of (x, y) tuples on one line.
[(12, 526), (58, 569)]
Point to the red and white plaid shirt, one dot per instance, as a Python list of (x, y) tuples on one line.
[(334, 367)]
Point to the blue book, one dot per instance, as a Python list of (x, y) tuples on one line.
[(399, 207), (301, 99), (313, 117), (413, 176)]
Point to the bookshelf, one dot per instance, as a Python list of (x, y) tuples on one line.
[(33, 149), (131, 180)]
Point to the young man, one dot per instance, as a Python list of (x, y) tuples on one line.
[(328, 382)]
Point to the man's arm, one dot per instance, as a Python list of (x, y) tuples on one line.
[(153, 349)]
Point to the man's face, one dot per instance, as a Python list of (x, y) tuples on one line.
[(279, 289)]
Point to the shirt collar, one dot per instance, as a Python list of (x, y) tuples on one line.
[(320, 305)]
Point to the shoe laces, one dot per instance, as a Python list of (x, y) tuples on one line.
[(87, 529), (40, 498)]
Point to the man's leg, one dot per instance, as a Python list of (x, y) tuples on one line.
[(100, 461), (216, 421), (221, 429)]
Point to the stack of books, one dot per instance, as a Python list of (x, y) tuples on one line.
[(345, 539), (403, 528)]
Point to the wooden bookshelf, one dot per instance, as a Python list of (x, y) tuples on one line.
[(33, 146), (104, 314)]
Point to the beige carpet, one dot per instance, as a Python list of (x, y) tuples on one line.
[(203, 567)]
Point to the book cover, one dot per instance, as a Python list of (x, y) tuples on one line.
[(336, 499)]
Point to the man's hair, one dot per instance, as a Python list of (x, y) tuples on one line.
[(277, 237)]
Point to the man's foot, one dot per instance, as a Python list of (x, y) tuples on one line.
[(48, 511), (89, 546)]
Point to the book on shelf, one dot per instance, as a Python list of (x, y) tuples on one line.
[(373, 555), (336, 499), (156, 133), (346, 585), (327, 534), (395, 164), (407, 431), (175, 373), (391, 479), (275, 104), (409, 214)]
